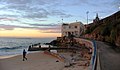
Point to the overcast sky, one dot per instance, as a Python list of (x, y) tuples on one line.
[(47, 15)]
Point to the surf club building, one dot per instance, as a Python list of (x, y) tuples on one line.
[(76, 29)]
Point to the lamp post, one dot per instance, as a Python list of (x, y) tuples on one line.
[(62, 20), (87, 16)]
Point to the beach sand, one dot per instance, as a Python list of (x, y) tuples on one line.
[(36, 61)]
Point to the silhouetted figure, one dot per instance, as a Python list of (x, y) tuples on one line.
[(24, 55), (39, 46), (49, 46)]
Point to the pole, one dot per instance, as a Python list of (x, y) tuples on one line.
[(62, 20), (87, 16)]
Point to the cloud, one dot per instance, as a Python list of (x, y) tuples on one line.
[(44, 28), (80, 2), (41, 19), (100, 12), (6, 27), (42, 13), (32, 8), (38, 10), (66, 16), (12, 27), (10, 19), (28, 11), (60, 13), (40, 2), (52, 24), (93, 3), (52, 31), (116, 3), (66, 3)]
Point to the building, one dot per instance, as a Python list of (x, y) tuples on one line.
[(96, 20), (75, 29)]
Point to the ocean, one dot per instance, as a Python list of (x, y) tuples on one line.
[(15, 46)]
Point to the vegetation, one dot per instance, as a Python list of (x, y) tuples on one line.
[(107, 29), (90, 30)]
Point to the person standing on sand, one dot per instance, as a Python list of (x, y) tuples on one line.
[(24, 55)]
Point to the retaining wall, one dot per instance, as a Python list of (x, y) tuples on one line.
[(91, 44)]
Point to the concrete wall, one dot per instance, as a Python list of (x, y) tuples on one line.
[(91, 44)]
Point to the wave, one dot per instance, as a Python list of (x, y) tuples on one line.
[(17, 47)]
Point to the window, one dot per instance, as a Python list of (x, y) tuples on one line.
[(72, 33), (76, 32), (69, 26), (66, 33), (64, 27), (75, 26)]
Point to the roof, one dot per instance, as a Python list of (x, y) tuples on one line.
[(64, 24), (72, 23)]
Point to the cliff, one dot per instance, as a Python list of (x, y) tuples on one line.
[(107, 29)]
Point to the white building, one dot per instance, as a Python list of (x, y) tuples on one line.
[(76, 29)]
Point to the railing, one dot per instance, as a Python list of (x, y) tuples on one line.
[(94, 55)]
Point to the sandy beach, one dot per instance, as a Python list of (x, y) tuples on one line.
[(36, 61)]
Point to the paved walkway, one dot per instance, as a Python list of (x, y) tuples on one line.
[(109, 58)]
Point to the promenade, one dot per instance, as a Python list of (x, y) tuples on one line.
[(109, 58)]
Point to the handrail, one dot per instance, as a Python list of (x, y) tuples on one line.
[(94, 55)]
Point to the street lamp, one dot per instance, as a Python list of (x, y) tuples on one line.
[(87, 16), (62, 20)]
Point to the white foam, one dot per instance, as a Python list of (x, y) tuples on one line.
[(7, 56)]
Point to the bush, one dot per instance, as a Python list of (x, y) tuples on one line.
[(90, 30), (113, 35), (107, 29)]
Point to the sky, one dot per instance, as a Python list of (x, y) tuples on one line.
[(43, 18)]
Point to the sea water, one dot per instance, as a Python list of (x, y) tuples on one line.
[(15, 46)]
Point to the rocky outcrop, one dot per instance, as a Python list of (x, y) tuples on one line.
[(117, 42), (107, 29)]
